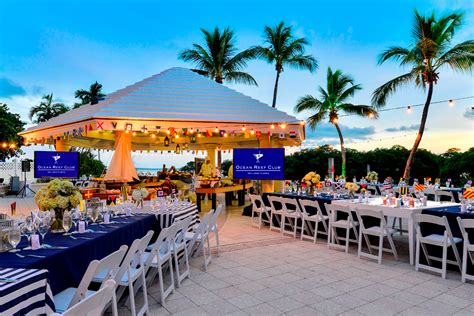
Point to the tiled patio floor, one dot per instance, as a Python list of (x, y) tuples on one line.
[(262, 273)]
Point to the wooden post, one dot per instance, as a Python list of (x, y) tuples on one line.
[(267, 185), (61, 145)]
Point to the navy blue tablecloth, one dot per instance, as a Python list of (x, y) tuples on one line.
[(67, 266)]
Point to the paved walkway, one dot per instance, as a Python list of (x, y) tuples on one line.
[(263, 273)]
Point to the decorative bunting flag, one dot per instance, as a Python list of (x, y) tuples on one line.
[(171, 130), (185, 131), (80, 131), (90, 127), (281, 135), (114, 125), (100, 125), (419, 187), (270, 136), (258, 134), (221, 133), (469, 193), (232, 135), (208, 133), (292, 134)]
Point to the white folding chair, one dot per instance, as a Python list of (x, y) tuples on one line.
[(213, 229), (94, 304), (107, 266), (158, 259), (199, 239), (429, 192), (276, 211), (372, 187), (131, 274), (259, 208), (291, 214), (307, 219), (347, 224), (180, 251), (441, 193), (445, 241), (468, 248), (382, 231)]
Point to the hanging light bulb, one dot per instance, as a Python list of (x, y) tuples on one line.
[(225, 134), (272, 126), (371, 115), (176, 136), (153, 135), (335, 120), (168, 132), (12, 146), (199, 135), (283, 125), (451, 103), (126, 131), (216, 130), (409, 109), (4, 145), (302, 123), (252, 132), (191, 131), (243, 128)]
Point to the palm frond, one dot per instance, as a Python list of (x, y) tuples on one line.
[(361, 110), (380, 95), (314, 119), (240, 77), (308, 102), (303, 62), (395, 53), (459, 58)]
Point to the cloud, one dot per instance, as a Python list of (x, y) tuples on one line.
[(469, 113), (403, 128), (9, 88), (328, 132)]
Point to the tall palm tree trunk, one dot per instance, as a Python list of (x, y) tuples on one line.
[(343, 150), (406, 173), (275, 89)]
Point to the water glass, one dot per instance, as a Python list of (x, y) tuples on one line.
[(67, 221), (14, 238)]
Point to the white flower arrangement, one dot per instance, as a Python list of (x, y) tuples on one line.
[(139, 194)]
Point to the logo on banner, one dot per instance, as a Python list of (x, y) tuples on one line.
[(258, 156), (56, 158)]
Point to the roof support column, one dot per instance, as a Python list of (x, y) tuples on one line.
[(211, 155), (267, 185), (61, 145)]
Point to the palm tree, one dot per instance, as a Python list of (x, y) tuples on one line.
[(340, 87), (92, 96), (218, 58), (283, 49), (47, 109), (430, 51)]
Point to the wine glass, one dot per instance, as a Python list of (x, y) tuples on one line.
[(67, 222), (14, 237), (43, 228)]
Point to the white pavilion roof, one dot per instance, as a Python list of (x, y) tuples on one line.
[(176, 94)]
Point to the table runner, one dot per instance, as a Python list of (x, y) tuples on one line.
[(168, 216), (67, 266), (29, 294)]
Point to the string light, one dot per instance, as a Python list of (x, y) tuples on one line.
[(12, 146), (302, 123), (134, 134), (409, 109), (216, 130), (225, 134), (4, 145), (126, 131), (371, 115), (176, 136), (153, 135), (191, 131), (451, 103), (283, 125), (252, 132), (272, 126), (168, 132), (334, 120), (243, 128), (199, 135), (418, 105)]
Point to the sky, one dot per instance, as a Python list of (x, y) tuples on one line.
[(61, 46)]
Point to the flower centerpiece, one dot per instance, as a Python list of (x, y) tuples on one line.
[(311, 179), (352, 188), (60, 196), (139, 195), (372, 176)]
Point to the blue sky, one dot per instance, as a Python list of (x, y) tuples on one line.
[(61, 46)]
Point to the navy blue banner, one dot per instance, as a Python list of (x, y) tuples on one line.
[(56, 164), (259, 163)]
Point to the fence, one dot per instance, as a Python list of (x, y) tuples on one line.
[(13, 168)]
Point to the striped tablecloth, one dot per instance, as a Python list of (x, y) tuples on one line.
[(28, 293), (171, 214)]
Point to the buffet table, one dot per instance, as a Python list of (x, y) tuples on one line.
[(240, 188)]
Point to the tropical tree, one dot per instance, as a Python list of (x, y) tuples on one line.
[(91, 96), (47, 109), (333, 100), (282, 48), (10, 126), (430, 51), (218, 58)]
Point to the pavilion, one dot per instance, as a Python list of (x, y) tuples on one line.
[(174, 110)]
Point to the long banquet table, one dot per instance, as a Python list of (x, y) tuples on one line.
[(400, 212), (67, 265)]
